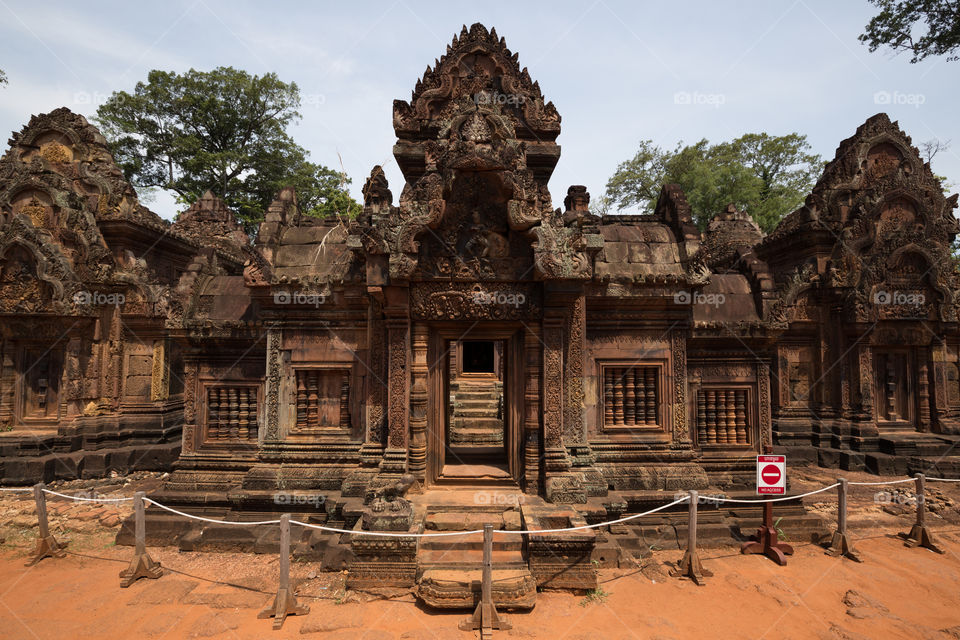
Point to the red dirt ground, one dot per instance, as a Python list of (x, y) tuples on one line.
[(896, 593)]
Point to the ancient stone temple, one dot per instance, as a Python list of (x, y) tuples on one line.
[(470, 352)]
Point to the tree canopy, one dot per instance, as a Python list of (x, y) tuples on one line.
[(896, 26), (766, 176), (3, 77), (223, 130)]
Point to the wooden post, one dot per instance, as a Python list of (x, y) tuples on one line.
[(690, 566), (840, 544), (485, 617), (285, 604), (142, 565), (47, 545), (919, 535)]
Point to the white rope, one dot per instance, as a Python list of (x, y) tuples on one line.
[(943, 479), (802, 495), (187, 515), (877, 484), (63, 495), (15, 489), (388, 534), (603, 524)]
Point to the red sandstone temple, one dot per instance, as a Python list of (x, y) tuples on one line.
[(470, 334)]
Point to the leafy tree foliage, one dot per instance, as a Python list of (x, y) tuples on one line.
[(3, 77), (767, 176), (896, 27), (223, 130)]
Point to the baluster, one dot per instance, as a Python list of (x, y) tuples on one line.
[(223, 424), (213, 413), (608, 396), (650, 394), (234, 413), (701, 417), (618, 396), (721, 417), (244, 423), (712, 417), (639, 396), (731, 417), (301, 400), (345, 422), (254, 419), (313, 410), (742, 417), (629, 398)]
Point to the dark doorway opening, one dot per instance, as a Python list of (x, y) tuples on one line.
[(478, 356)]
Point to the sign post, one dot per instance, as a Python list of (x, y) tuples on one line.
[(771, 481)]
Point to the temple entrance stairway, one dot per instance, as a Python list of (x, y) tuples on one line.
[(476, 414)]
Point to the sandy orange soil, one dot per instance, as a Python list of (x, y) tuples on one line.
[(896, 593)]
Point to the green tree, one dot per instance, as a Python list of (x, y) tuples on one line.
[(896, 27), (223, 130), (767, 176), (3, 77)]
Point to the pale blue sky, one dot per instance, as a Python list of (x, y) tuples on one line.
[(613, 69)]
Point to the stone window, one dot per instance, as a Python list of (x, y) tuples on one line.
[(323, 399), (723, 416), (231, 413), (631, 396)]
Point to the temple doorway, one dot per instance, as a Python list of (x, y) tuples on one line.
[(473, 439)]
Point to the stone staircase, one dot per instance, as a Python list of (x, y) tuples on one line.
[(449, 568), (476, 414)]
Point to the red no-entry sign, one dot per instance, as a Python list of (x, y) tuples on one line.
[(771, 475)]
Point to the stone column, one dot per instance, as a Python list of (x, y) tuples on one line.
[(418, 403), (8, 379), (574, 422), (375, 378), (923, 388), (531, 403), (678, 353), (190, 408), (398, 380), (273, 383), (554, 451)]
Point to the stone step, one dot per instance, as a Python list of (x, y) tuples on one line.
[(469, 558), (477, 423), (487, 411), (472, 542), (460, 588)]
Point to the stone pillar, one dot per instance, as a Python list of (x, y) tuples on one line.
[(531, 403), (375, 379), (8, 378), (574, 421), (678, 353), (938, 384), (418, 403), (190, 408), (923, 388), (398, 380), (273, 384), (555, 453), (160, 374), (865, 381)]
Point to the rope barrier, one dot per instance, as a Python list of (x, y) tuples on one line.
[(877, 484), (802, 495), (21, 489), (211, 520), (479, 531)]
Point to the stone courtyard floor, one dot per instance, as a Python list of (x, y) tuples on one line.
[(895, 593)]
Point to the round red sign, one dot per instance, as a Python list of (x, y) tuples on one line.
[(770, 474)]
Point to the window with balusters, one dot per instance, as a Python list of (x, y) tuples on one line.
[(631, 396), (323, 399), (232, 413), (723, 416)]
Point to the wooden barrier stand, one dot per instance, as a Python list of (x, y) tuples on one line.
[(47, 545), (840, 544), (919, 535), (690, 566), (285, 604), (142, 565)]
